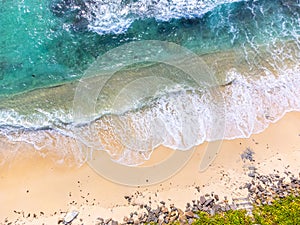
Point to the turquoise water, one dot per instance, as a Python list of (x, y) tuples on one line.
[(53, 42)]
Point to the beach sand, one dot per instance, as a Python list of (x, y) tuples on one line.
[(35, 190)]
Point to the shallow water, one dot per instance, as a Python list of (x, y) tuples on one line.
[(47, 46)]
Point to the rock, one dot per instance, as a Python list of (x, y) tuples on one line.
[(264, 180), (196, 216), (182, 219), (161, 218), (173, 216), (233, 207), (212, 212), (164, 210), (140, 216), (174, 209), (208, 202), (252, 168), (99, 221), (251, 174), (70, 217), (257, 201), (180, 212), (189, 214), (108, 220), (113, 222), (205, 209), (260, 188), (156, 211), (202, 200), (217, 208), (248, 185), (196, 209), (247, 155), (144, 219), (128, 198), (130, 221), (148, 208), (190, 221), (281, 195), (252, 190), (167, 219), (172, 219), (227, 207), (163, 203), (217, 197), (152, 217), (60, 221)]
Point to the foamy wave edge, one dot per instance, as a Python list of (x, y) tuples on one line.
[(249, 106), (116, 16)]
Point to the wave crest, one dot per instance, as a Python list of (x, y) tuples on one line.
[(116, 16), (179, 121)]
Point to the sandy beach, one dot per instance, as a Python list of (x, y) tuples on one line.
[(35, 190), (110, 111)]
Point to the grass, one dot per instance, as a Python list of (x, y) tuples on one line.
[(285, 211), (230, 217)]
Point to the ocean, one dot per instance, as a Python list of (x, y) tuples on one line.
[(127, 76)]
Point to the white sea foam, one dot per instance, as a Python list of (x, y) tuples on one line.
[(116, 16), (184, 120), (179, 120), (38, 120)]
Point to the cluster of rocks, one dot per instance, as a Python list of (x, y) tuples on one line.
[(210, 204), (168, 215), (248, 155), (264, 189)]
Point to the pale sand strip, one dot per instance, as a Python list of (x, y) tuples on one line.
[(52, 188)]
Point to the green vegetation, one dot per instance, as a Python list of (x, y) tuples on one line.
[(284, 211), (230, 217)]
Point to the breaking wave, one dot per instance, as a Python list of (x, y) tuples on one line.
[(259, 73), (116, 16), (179, 120)]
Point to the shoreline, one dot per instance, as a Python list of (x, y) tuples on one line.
[(49, 111), (34, 184)]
